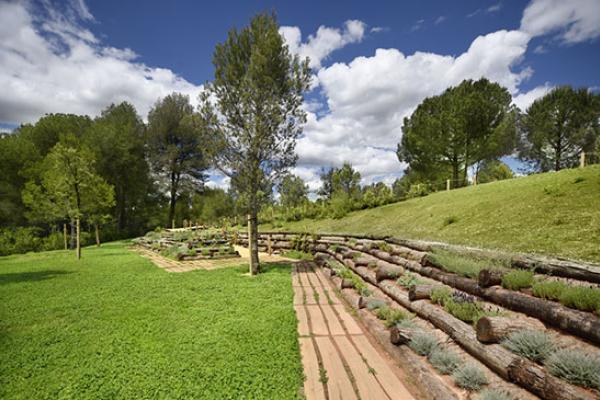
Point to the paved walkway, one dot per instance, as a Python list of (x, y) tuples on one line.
[(339, 360), (171, 265)]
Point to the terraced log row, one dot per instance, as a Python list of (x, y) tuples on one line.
[(380, 269)]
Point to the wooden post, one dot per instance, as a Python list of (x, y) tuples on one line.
[(173, 224), (269, 245), (447, 184), (582, 159), (65, 236), (78, 228), (97, 235), (474, 180)]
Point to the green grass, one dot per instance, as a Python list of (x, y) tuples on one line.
[(582, 298), (554, 214), (113, 325), (517, 279)]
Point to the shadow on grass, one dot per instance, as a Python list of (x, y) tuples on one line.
[(30, 276), (279, 266)]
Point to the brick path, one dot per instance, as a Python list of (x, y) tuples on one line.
[(339, 360)]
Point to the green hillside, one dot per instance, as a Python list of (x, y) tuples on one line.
[(553, 213)]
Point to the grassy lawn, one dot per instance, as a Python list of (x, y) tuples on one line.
[(115, 326), (554, 214)]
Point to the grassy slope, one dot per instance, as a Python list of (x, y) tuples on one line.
[(115, 326), (554, 214)]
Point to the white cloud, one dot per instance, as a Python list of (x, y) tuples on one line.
[(52, 64), (494, 8), (418, 25), (319, 46), (573, 20), (440, 19), (524, 100), (369, 97), (378, 29)]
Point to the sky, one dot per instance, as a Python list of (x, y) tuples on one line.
[(372, 62)]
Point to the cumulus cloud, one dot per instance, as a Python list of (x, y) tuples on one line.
[(368, 98), (320, 45), (524, 100), (50, 63), (573, 21)]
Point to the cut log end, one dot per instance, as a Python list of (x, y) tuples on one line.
[(495, 329)]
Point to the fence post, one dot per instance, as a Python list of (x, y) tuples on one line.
[(447, 184), (269, 245), (582, 159)]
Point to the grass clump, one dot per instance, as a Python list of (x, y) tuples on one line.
[(576, 367), (423, 343), (467, 265), (517, 279), (444, 361), (582, 298), (459, 305), (298, 255), (390, 315), (532, 344), (441, 295), (494, 394), (469, 376), (375, 304), (409, 279)]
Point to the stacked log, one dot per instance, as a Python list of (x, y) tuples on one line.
[(495, 329)]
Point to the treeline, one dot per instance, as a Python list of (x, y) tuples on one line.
[(120, 177)]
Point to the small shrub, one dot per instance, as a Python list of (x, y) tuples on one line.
[(549, 290), (582, 298), (517, 279), (576, 367), (534, 345), (470, 377), (494, 394), (579, 179), (407, 280), (375, 304), (390, 315), (461, 264), (467, 312), (444, 361), (441, 295), (423, 343)]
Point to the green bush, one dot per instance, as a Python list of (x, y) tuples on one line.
[(517, 279), (576, 367), (534, 345), (444, 361), (423, 343), (549, 290), (470, 377), (494, 394), (441, 295)]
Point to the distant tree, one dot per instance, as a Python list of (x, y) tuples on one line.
[(117, 138), (457, 129), (69, 187), (347, 180), (176, 142), (326, 189), (212, 205), (293, 191), (253, 109), (559, 126), (493, 170), (377, 194)]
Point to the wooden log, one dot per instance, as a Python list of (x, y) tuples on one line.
[(495, 329), (564, 268), (399, 336), (490, 277), (420, 292), (346, 284), (387, 270), (506, 364), (580, 323)]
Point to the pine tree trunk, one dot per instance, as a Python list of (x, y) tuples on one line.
[(73, 243), (253, 242), (78, 222), (65, 236), (97, 235)]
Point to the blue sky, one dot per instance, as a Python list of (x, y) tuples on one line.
[(373, 62)]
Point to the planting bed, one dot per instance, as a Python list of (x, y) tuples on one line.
[(188, 245), (481, 329)]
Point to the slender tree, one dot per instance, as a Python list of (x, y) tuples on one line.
[(177, 147), (69, 186), (293, 191), (253, 110), (559, 126)]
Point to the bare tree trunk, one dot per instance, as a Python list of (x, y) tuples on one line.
[(97, 235), (65, 236), (253, 242), (78, 222), (73, 238)]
